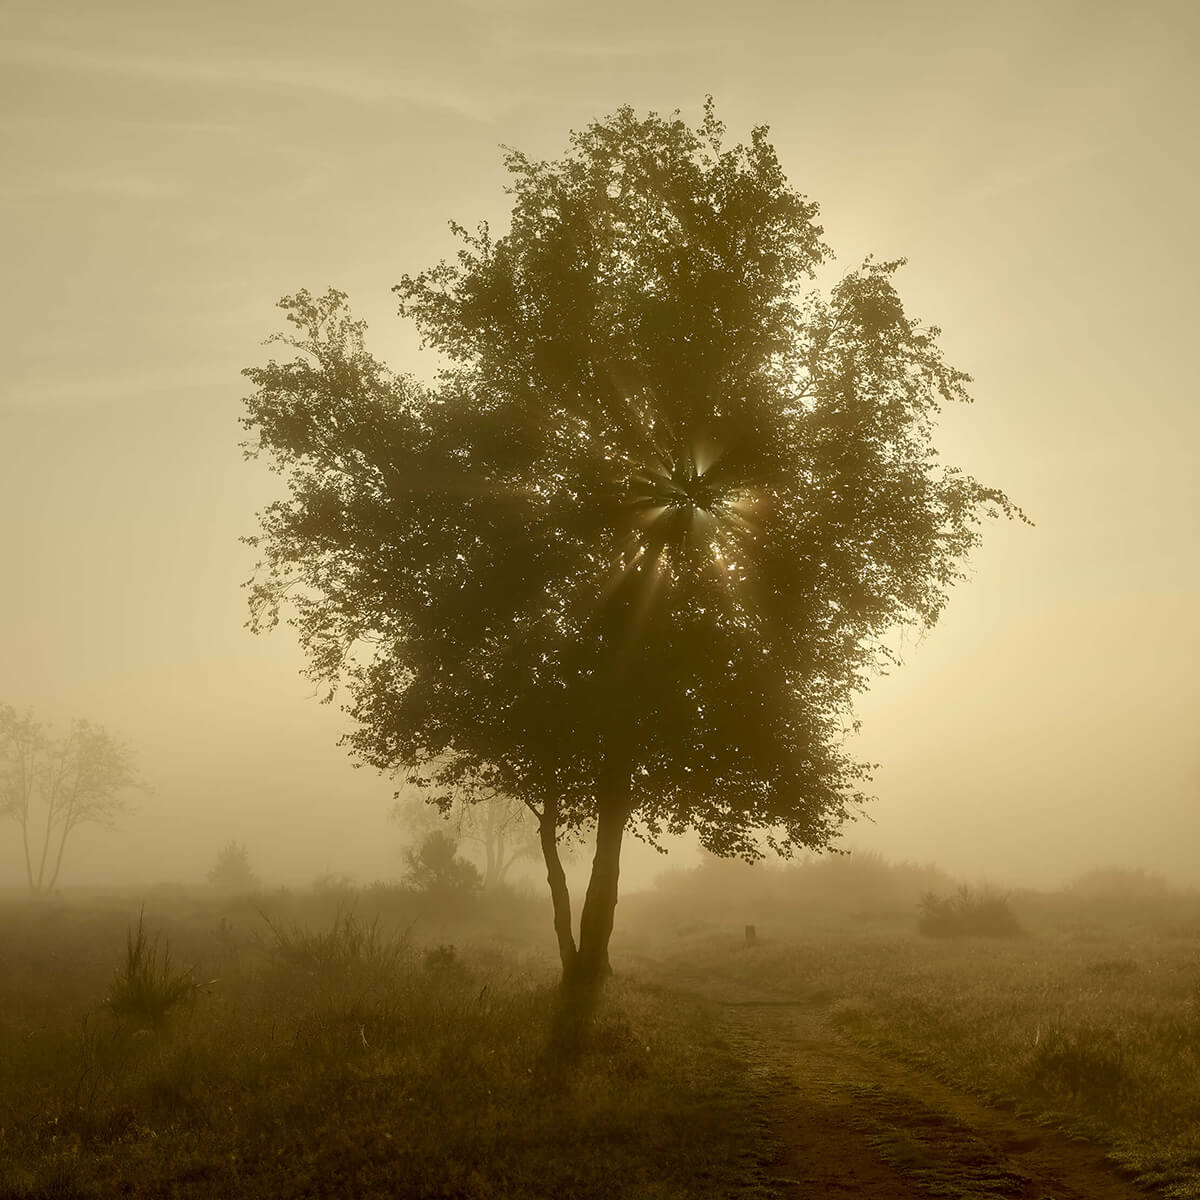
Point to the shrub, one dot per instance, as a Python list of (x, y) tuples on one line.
[(967, 913), (348, 948), (147, 987), (436, 868), (442, 960), (232, 872), (1119, 884)]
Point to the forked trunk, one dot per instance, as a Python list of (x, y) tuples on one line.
[(62, 845), (583, 984), (585, 965)]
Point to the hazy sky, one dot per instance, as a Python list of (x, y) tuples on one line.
[(170, 170)]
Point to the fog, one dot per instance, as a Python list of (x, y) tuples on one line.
[(172, 172)]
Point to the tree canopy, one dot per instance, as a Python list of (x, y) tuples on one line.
[(645, 535)]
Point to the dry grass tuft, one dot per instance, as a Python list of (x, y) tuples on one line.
[(147, 987)]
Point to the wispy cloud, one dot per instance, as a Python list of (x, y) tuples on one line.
[(40, 390), (586, 45), (49, 184), (1020, 174), (346, 82)]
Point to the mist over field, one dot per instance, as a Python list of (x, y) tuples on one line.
[(697, 689)]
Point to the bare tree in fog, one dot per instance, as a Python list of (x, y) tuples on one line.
[(632, 556), (51, 786)]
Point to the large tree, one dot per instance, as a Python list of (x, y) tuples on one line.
[(51, 786), (632, 554)]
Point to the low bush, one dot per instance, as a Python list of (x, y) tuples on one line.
[(347, 949), (1119, 884), (442, 959), (967, 913)]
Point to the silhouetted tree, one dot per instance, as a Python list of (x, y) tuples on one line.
[(51, 786), (501, 828), (232, 871), (436, 867), (633, 554)]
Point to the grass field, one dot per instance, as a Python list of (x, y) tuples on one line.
[(339, 1042), (328, 1053), (1089, 1019)]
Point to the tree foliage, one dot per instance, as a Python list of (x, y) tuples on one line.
[(51, 786), (633, 553)]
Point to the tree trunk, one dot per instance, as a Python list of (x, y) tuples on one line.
[(557, 878), (489, 860), (495, 852), (591, 967), (25, 843), (62, 844), (41, 875)]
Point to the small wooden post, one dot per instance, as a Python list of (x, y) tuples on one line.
[(751, 935)]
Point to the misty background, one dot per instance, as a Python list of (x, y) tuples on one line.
[(172, 171)]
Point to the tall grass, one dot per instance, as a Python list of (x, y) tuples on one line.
[(342, 1057), (147, 987), (347, 949)]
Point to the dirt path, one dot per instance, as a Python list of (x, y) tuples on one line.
[(853, 1123)]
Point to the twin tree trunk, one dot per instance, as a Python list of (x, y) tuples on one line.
[(585, 964), (38, 884)]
